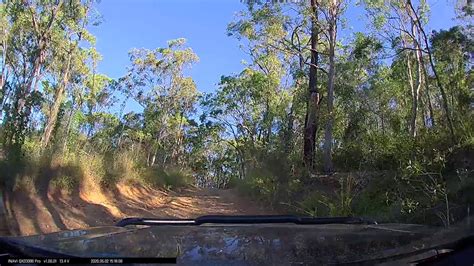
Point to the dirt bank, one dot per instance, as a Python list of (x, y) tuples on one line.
[(45, 211)]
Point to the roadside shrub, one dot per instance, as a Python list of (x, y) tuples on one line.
[(315, 204), (120, 167), (171, 178), (20, 173), (269, 179), (64, 174), (26, 183), (233, 181), (337, 204), (295, 185), (92, 166), (377, 152), (260, 183), (378, 200), (414, 195), (176, 178), (47, 170), (349, 157), (64, 183), (31, 149)]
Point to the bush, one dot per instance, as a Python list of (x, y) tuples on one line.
[(92, 166), (120, 167), (175, 178), (25, 182), (48, 170), (168, 178), (377, 152), (315, 204), (269, 179), (378, 201), (64, 183), (64, 173), (338, 204), (259, 183)]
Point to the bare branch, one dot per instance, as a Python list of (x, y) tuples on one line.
[(318, 67)]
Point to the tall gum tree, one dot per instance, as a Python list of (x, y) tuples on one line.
[(75, 19), (32, 27), (332, 10), (402, 20), (157, 81), (314, 97)]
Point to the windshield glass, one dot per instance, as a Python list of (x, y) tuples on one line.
[(178, 109)]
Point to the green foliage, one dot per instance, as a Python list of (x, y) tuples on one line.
[(42, 171), (168, 178), (377, 200), (339, 204), (157, 81), (316, 205), (64, 183), (260, 182), (120, 167)]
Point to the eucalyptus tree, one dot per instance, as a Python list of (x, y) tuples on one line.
[(97, 96), (68, 56), (453, 50), (332, 11), (42, 45), (32, 28), (239, 107), (403, 24), (158, 82), (212, 160), (299, 40), (263, 31), (5, 31)]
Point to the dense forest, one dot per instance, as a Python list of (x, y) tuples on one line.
[(379, 125)]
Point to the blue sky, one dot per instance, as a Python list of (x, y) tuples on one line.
[(149, 24)]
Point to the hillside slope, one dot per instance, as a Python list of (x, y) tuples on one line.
[(45, 211)]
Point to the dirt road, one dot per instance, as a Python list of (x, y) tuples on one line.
[(45, 211)]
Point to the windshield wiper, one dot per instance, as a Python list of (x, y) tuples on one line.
[(245, 219)]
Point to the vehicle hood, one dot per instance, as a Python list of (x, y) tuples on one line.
[(247, 244)]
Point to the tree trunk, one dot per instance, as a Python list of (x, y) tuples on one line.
[(268, 120), (435, 73), (122, 108), (148, 159), (288, 136), (3, 69), (3, 88), (91, 123), (443, 96), (417, 88), (68, 128), (428, 95), (414, 103), (35, 77), (58, 100), (153, 158), (21, 111), (312, 107), (328, 136)]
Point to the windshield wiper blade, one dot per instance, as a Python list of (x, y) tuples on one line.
[(245, 219)]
